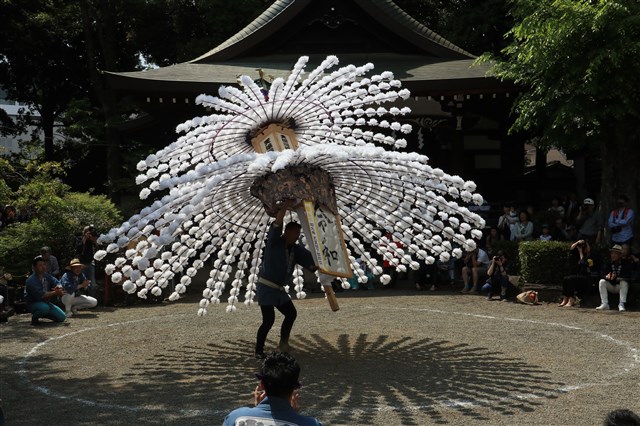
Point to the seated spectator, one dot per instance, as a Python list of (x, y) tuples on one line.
[(556, 209), (559, 230), (498, 281), (52, 263), (580, 270), (73, 282), (523, 230), (546, 235), (475, 264), (276, 397), (39, 289), (616, 279), (493, 236)]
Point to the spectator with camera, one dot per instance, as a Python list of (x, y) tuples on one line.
[(74, 282), (86, 248), (476, 263), (616, 279), (620, 222), (580, 268), (40, 288), (498, 281)]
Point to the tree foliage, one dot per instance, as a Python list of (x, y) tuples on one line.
[(51, 214), (578, 63)]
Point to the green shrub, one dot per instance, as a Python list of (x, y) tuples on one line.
[(544, 261), (510, 251)]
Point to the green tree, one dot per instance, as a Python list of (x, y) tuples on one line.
[(578, 62), (51, 214)]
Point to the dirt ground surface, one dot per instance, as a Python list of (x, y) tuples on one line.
[(394, 357)]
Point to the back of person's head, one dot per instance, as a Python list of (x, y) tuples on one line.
[(622, 417), (279, 374)]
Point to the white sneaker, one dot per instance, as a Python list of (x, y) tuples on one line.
[(603, 307), (621, 307)]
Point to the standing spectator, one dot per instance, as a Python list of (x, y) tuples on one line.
[(570, 208), (475, 264), (275, 398), (546, 233), (73, 281), (507, 221), (86, 248), (559, 231), (616, 279), (621, 222), (39, 289), (52, 263), (498, 280), (523, 230), (580, 267), (589, 222)]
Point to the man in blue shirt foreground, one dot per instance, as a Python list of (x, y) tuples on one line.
[(281, 253), (40, 288), (276, 397)]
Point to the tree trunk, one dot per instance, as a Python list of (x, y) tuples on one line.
[(620, 172)]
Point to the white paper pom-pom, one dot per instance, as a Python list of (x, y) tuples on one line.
[(231, 308), (100, 254), (301, 295), (109, 269), (385, 279), (174, 296), (142, 294), (116, 277), (1, 298), (129, 287), (202, 312), (156, 291)]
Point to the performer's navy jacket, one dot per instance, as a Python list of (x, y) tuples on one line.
[(279, 260)]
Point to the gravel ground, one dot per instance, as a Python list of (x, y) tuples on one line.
[(391, 357)]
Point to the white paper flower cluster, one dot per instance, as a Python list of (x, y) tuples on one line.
[(393, 205)]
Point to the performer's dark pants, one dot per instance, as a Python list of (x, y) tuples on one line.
[(269, 317)]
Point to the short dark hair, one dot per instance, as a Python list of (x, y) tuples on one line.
[(279, 374), (36, 260), (622, 417), (623, 197), (292, 225)]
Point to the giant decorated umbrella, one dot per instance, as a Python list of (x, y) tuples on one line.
[(325, 139)]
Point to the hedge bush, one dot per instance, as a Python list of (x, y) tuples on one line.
[(544, 261)]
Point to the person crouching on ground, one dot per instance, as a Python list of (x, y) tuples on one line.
[(276, 397), (498, 279), (616, 279), (74, 283), (281, 253), (39, 289)]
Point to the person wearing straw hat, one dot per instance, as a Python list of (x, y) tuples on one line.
[(616, 279), (73, 281)]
